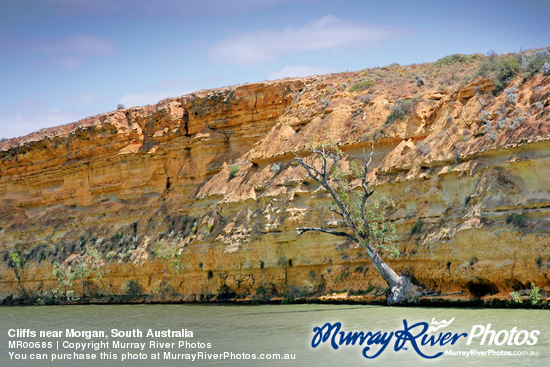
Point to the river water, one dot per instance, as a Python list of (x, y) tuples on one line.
[(266, 331)]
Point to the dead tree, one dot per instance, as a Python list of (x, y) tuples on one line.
[(360, 212)]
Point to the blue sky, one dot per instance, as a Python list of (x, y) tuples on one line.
[(64, 60)]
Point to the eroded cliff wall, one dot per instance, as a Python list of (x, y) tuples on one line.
[(212, 176)]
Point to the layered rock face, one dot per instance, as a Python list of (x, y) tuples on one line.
[(211, 176)]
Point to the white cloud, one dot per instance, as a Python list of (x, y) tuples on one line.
[(88, 98), (299, 71), (328, 32), (70, 51), (80, 44), (186, 8), (172, 83)]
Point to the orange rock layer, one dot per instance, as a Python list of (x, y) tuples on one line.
[(212, 176)]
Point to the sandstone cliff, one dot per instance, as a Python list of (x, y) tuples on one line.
[(212, 177)]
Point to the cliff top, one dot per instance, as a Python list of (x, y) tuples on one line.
[(464, 74)]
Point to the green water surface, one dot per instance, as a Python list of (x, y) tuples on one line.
[(246, 331)]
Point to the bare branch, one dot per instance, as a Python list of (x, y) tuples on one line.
[(336, 211), (452, 140), (301, 230), (322, 178), (457, 151), (311, 171), (364, 180), (365, 162), (324, 169)]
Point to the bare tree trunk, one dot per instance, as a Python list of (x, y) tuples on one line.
[(401, 290), (167, 282), (18, 276), (103, 285)]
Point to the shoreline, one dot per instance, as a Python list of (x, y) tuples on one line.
[(425, 302)]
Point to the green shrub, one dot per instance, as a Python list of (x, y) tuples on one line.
[(511, 95), (294, 293), (361, 292), (16, 263), (393, 252), (131, 289), (417, 227), (64, 278), (457, 59), (115, 239), (309, 287), (515, 297), (15, 260), (163, 287), (535, 298), (357, 87), (501, 70), (536, 62), (518, 220), (234, 171), (403, 108), (341, 276)]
